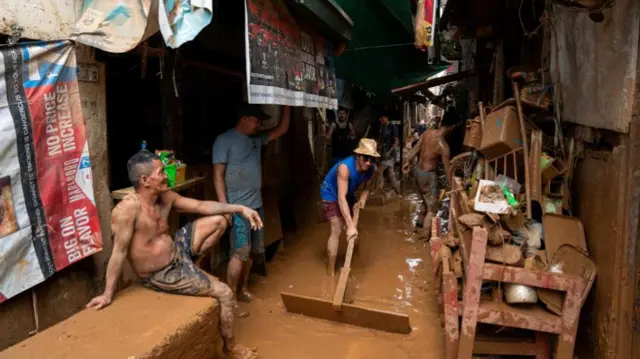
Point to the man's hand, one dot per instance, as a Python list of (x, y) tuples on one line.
[(351, 232), (100, 302), (253, 217)]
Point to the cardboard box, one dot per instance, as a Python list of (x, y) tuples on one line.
[(501, 133)]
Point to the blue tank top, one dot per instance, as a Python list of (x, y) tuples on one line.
[(329, 187)]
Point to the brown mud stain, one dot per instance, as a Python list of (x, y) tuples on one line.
[(391, 271)]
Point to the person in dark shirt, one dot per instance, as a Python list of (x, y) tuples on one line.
[(389, 145), (342, 136)]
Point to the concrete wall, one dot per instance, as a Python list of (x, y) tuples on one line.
[(39, 19), (69, 290)]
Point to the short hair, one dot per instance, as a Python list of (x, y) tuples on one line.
[(138, 166)]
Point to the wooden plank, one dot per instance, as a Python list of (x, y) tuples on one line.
[(501, 347), (119, 194), (350, 314), (338, 297)]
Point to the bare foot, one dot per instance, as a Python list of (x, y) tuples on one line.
[(245, 296), (239, 313), (242, 352)]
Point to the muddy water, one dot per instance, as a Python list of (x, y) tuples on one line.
[(392, 271)]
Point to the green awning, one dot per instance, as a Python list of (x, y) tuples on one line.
[(381, 55), (325, 16)]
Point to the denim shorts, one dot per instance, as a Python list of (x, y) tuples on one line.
[(244, 240)]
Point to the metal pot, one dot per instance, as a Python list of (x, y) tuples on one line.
[(520, 294)]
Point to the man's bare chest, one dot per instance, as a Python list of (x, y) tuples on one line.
[(153, 219)]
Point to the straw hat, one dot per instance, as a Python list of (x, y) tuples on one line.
[(367, 147)]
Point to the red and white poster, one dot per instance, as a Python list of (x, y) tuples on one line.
[(48, 216), (425, 23)]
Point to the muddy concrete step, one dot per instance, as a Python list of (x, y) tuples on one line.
[(140, 323)]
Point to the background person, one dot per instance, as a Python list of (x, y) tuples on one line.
[(342, 136), (433, 149), (237, 173), (389, 145)]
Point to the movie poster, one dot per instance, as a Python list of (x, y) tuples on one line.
[(285, 64), (48, 216)]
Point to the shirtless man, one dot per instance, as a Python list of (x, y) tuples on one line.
[(141, 234), (432, 148)]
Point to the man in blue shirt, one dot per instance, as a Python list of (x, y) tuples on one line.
[(338, 192), (237, 173)]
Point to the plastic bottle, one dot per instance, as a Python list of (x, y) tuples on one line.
[(510, 197), (143, 146)]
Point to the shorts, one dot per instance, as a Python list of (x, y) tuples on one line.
[(181, 276), (244, 240), (427, 182), (331, 209)]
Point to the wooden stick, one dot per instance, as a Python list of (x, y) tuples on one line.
[(338, 297), (482, 120), (525, 148), (515, 165), (504, 165)]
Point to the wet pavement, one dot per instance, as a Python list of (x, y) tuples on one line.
[(392, 271)]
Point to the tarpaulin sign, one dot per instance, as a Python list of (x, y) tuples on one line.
[(48, 216), (286, 65), (425, 23)]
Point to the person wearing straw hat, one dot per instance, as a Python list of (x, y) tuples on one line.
[(338, 194)]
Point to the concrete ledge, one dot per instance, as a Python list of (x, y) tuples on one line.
[(140, 323)]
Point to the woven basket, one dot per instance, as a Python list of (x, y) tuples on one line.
[(473, 133)]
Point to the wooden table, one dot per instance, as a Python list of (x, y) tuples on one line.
[(119, 194)]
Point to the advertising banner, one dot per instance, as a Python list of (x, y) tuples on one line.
[(48, 216), (286, 65), (425, 23)]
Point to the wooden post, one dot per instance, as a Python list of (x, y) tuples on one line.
[(498, 69), (482, 120), (525, 148)]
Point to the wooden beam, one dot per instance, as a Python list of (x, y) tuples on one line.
[(213, 68), (435, 82)]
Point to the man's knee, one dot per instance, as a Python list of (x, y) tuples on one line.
[(215, 223), (336, 227), (242, 254), (222, 292)]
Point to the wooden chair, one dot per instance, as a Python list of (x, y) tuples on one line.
[(462, 343)]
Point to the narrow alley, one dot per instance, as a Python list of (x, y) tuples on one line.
[(392, 272), (178, 178)]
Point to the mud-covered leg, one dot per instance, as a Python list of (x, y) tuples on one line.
[(207, 232), (224, 295), (333, 243)]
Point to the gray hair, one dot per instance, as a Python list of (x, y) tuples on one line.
[(139, 165)]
